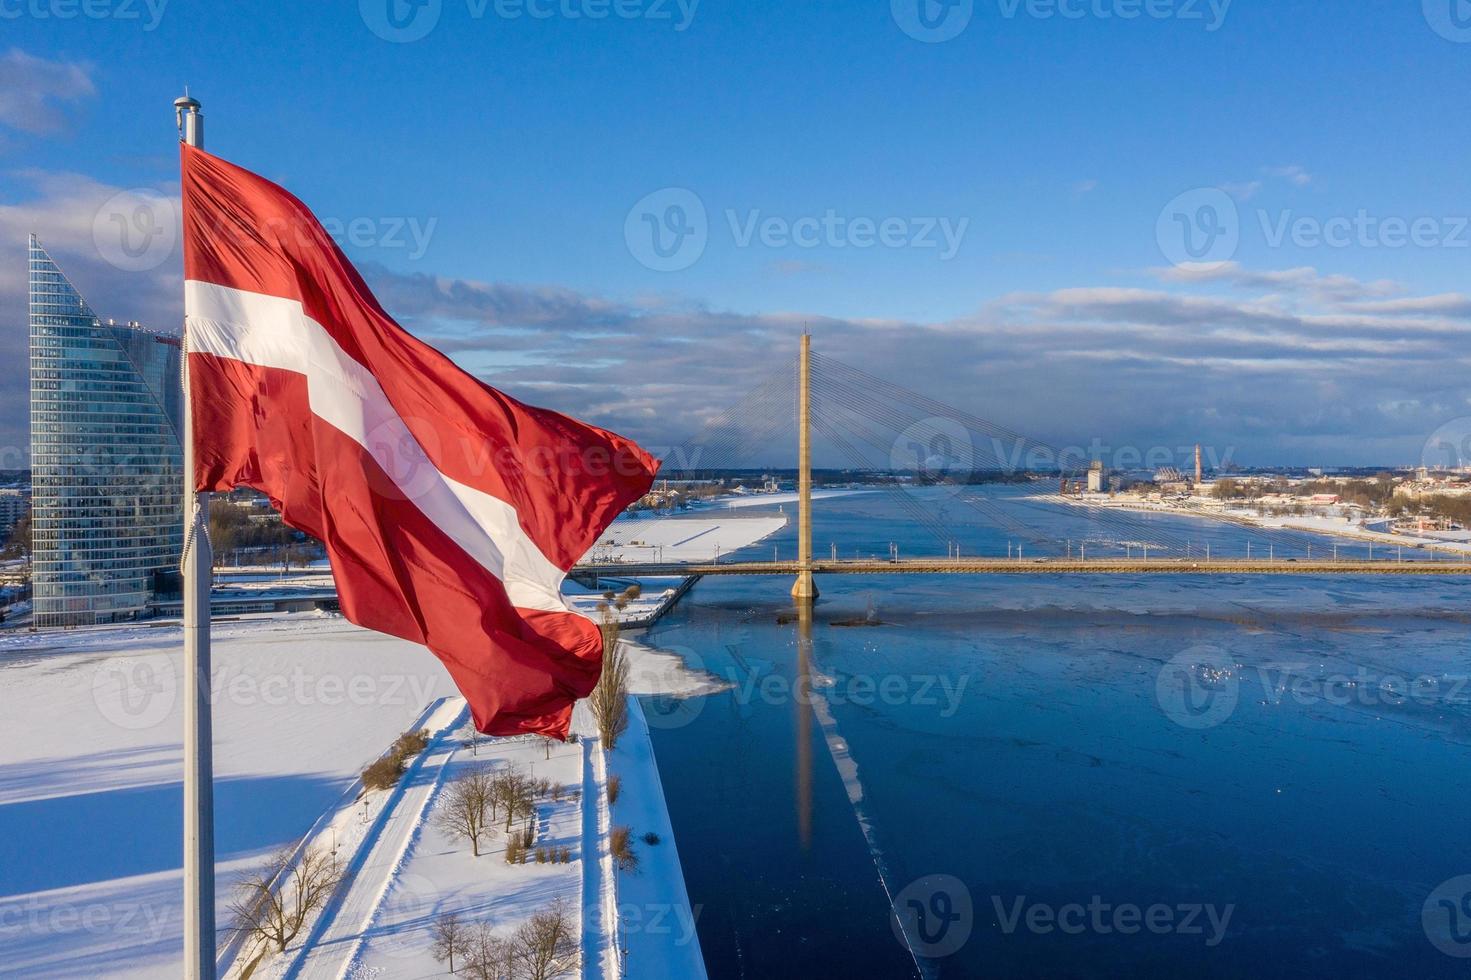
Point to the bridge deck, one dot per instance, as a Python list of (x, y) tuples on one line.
[(1040, 566)]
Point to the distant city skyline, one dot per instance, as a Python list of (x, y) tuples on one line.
[(1149, 231)]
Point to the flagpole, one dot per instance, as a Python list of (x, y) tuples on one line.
[(199, 836)]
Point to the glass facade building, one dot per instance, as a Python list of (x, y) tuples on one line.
[(106, 465)]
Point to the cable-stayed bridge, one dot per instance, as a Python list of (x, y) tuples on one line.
[(881, 429)]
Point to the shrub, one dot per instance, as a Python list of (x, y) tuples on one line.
[(651, 838), (621, 845), (615, 789), (410, 743), (384, 773), (566, 855), (541, 855)]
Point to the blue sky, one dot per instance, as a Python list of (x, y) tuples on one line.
[(492, 165)]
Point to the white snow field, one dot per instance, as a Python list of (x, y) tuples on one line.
[(90, 803), (682, 538)]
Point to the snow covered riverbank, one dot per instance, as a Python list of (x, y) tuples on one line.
[(1325, 525), (90, 764)]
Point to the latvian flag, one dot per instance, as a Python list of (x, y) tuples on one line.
[(450, 511)]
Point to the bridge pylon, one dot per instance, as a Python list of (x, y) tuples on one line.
[(804, 589)]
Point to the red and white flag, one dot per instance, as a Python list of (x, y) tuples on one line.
[(450, 511)]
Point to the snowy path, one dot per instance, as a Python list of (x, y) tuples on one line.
[(599, 897), (338, 932)]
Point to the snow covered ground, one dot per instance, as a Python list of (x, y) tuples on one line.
[(90, 794), (655, 592), (784, 499), (90, 764), (681, 537)]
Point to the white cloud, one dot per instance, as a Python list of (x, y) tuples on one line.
[(1227, 355), (34, 92), (1293, 174)]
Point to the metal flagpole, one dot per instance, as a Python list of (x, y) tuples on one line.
[(199, 832)]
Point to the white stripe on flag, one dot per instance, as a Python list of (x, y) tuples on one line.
[(271, 332)]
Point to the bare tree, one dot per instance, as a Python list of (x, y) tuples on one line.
[(451, 938), (544, 945), (513, 793), (462, 812), (472, 735), (609, 700), (489, 956), (273, 903)]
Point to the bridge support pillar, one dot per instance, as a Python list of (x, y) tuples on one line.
[(805, 589)]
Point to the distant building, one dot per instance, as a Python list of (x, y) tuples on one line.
[(13, 506), (1097, 478), (106, 466)]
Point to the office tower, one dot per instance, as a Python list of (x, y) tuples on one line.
[(106, 467)]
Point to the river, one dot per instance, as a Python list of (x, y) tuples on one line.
[(1070, 776)]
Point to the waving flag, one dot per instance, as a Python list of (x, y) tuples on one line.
[(450, 511)]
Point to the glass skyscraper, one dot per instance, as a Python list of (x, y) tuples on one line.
[(106, 465)]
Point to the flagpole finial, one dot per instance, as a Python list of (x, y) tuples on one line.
[(189, 119)]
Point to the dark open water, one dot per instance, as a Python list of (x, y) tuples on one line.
[(1097, 765)]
